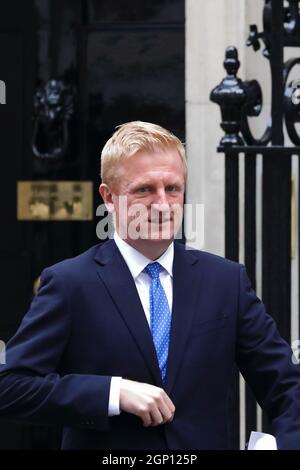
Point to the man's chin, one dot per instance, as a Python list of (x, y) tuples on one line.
[(160, 231), (158, 236), (158, 240), (152, 233)]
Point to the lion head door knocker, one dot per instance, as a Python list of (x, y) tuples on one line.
[(53, 107)]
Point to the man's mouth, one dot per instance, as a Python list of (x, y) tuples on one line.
[(160, 218), (159, 221)]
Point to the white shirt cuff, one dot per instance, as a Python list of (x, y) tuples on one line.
[(262, 441), (114, 396)]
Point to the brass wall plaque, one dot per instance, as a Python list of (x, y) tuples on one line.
[(55, 200)]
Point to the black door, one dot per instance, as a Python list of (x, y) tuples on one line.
[(121, 61)]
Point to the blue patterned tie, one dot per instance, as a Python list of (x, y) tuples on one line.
[(160, 317)]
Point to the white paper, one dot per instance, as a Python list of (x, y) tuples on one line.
[(262, 441)]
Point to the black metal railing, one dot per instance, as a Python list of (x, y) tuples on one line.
[(238, 101)]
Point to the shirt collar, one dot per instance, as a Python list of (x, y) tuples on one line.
[(137, 262)]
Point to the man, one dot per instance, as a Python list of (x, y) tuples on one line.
[(131, 344)]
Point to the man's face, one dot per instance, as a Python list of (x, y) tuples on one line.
[(148, 196)]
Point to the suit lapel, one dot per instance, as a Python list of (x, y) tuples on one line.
[(185, 294), (117, 278), (118, 281)]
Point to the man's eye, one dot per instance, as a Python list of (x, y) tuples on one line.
[(143, 189), (171, 188)]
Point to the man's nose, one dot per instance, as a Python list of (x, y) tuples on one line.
[(160, 201), (160, 207)]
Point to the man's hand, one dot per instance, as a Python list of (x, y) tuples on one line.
[(150, 403)]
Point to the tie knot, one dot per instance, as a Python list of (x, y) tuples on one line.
[(153, 269)]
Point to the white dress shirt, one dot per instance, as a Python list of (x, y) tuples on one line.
[(136, 263)]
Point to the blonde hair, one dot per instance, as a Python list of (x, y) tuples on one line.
[(133, 137)]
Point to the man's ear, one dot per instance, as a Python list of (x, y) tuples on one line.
[(107, 196)]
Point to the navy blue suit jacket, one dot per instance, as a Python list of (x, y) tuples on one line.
[(87, 324)]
